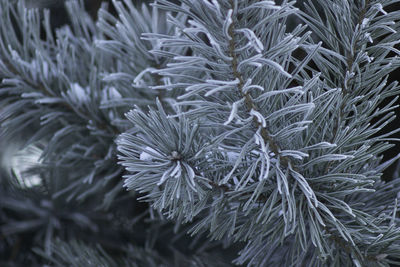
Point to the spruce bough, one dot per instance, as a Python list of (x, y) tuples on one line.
[(253, 126)]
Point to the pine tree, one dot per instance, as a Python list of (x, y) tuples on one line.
[(200, 133)]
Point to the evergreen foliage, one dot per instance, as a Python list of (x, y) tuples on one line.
[(200, 133)]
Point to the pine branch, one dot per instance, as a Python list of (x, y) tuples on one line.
[(250, 105)]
